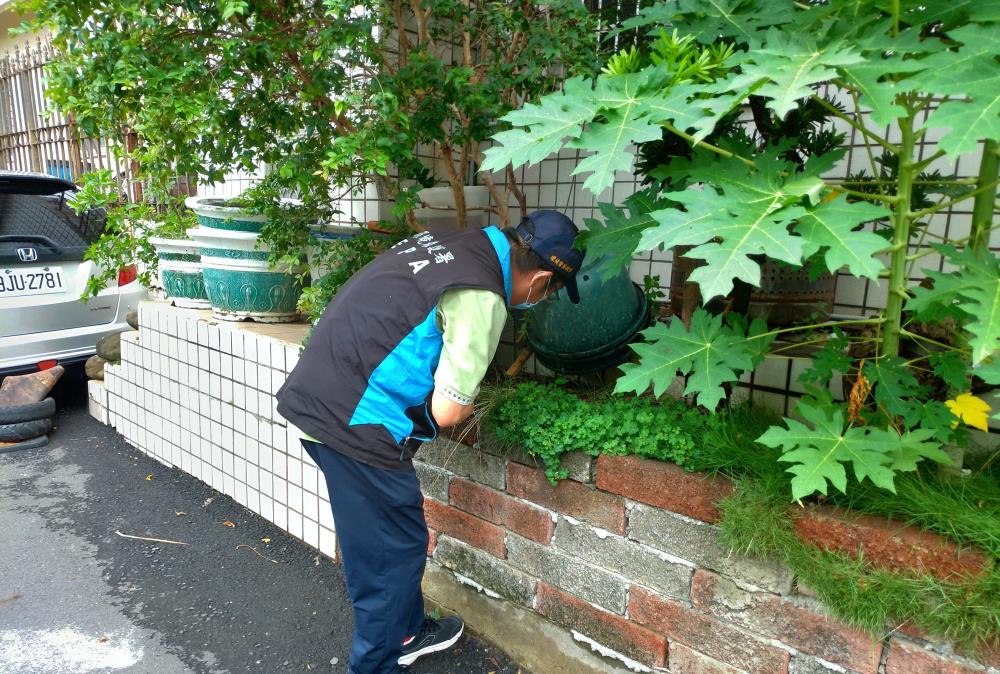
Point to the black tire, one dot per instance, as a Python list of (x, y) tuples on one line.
[(15, 414), (40, 441), (25, 430)]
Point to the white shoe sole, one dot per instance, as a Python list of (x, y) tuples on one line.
[(409, 659)]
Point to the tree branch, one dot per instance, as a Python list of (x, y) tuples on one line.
[(514, 189)]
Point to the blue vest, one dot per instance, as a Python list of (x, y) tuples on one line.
[(364, 382)]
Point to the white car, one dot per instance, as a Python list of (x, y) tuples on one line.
[(43, 320)]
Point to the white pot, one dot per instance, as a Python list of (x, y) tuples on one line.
[(440, 199)]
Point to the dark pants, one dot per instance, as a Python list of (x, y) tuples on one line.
[(379, 517)]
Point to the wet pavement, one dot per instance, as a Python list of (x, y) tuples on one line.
[(240, 595)]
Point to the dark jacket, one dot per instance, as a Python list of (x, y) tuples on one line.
[(364, 382)]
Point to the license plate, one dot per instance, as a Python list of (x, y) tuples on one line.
[(30, 281)]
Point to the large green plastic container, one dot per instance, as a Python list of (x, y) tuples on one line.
[(593, 335)]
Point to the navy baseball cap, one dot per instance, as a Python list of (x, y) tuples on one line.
[(550, 234)]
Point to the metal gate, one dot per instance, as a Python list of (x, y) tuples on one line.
[(34, 136)]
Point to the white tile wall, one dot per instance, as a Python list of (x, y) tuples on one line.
[(199, 396), (97, 394)]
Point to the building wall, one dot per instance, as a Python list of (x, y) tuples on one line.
[(11, 19), (199, 395)]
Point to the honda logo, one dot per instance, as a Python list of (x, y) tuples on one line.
[(27, 254)]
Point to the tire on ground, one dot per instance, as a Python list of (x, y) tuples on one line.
[(15, 414), (33, 443), (25, 430)]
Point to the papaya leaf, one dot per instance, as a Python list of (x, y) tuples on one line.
[(953, 11), (984, 305), (831, 358), (878, 90), (820, 448), (989, 372), (607, 118), (789, 65), (973, 289), (914, 446), (951, 367), (757, 344), (739, 213), (936, 417), (889, 67), (969, 122), (969, 71), (830, 226), (707, 20), (632, 107), (613, 242), (542, 128), (613, 141), (895, 388), (876, 38), (972, 73), (712, 354), (971, 409), (725, 230)]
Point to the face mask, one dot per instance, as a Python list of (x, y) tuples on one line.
[(526, 304)]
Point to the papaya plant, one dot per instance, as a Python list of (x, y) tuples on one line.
[(906, 72)]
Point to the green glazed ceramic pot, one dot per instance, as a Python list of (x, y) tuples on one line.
[(238, 279), (214, 212), (180, 272)]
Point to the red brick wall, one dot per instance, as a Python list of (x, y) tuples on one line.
[(525, 540)]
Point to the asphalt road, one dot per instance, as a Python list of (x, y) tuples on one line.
[(75, 596)]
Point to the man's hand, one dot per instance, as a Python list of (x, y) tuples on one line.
[(447, 412)]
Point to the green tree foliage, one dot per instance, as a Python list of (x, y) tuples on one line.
[(329, 95)]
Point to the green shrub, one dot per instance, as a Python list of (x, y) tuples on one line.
[(546, 420)]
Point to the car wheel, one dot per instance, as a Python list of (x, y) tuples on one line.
[(14, 414), (25, 430), (40, 441)]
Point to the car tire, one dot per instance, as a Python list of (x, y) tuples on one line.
[(15, 414), (25, 430), (40, 441)]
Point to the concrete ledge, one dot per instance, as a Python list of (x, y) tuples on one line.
[(529, 639)]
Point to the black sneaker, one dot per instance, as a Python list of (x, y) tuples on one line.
[(435, 635)]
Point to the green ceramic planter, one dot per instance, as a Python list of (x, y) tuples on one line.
[(214, 213), (180, 272), (239, 281)]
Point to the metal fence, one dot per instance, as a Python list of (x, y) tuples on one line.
[(34, 136)]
